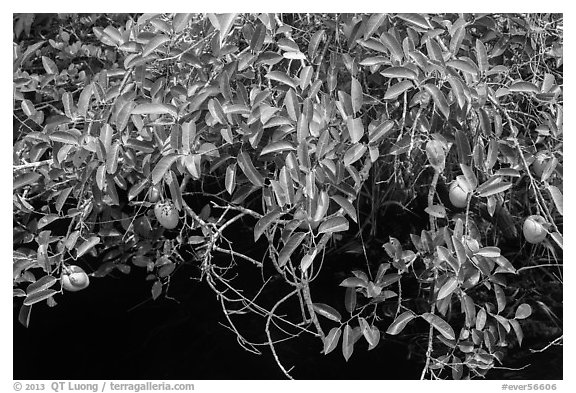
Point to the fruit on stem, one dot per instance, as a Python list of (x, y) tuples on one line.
[(74, 278)]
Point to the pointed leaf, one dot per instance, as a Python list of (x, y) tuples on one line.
[(493, 189), (517, 330), (87, 245), (25, 179), (334, 224), (162, 166), (397, 89), (437, 211), (346, 205), (276, 147), (523, 87), (49, 66), (440, 325), (481, 56), (331, 340), (416, 19), (249, 170), (350, 300), (154, 43), (470, 176), (448, 288), (265, 222), (230, 180), (556, 195), (357, 96), (355, 129), (439, 99), (400, 323), (399, 72), (155, 109), (347, 342), (327, 311), (500, 297), (40, 285), (282, 78), (39, 296), (354, 153), (289, 248)]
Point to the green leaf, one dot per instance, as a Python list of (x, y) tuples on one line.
[(331, 340), (437, 211), (489, 252), (86, 246), (372, 25), (216, 111), (517, 330), (448, 288), (463, 66), (39, 296), (440, 325), (162, 166), (399, 72), (346, 205), (276, 147), (439, 99), (372, 61), (500, 297), (334, 224), (354, 282), (230, 180), (470, 176), (315, 42), (350, 299), (154, 43), (523, 87), (354, 153), (265, 222), (482, 56), (156, 289), (282, 78), (493, 189), (249, 170), (155, 109), (43, 283), (289, 248), (180, 22), (347, 342), (355, 129), (357, 97), (49, 66), (64, 137), (523, 311), (556, 195), (400, 323), (397, 89), (327, 311), (307, 259), (416, 19), (25, 179), (292, 105)]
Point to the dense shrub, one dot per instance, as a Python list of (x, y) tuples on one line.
[(271, 140)]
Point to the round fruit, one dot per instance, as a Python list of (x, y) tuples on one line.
[(154, 194), (166, 214), (458, 195), (534, 230), (74, 278)]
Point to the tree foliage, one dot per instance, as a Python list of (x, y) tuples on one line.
[(304, 129)]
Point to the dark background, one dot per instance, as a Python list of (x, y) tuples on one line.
[(111, 331)]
